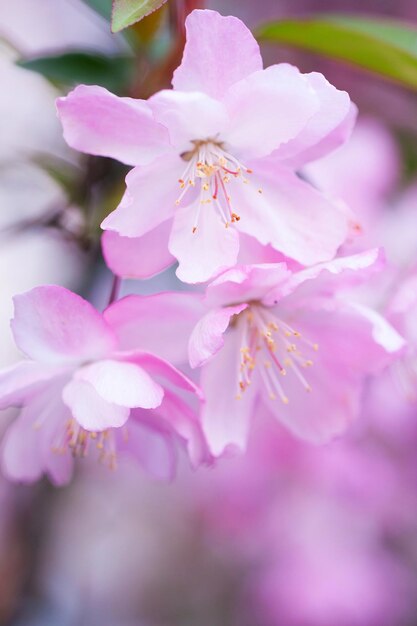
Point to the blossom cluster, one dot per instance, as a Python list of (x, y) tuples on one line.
[(220, 184)]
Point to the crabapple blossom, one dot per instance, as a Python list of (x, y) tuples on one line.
[(216, 156), (288, 339), (79, 392)]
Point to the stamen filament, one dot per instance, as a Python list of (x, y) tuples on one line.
[(207, 162), (266, 337)]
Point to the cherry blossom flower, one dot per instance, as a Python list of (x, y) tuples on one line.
[(286, 339), (216, 156), (80, 393)]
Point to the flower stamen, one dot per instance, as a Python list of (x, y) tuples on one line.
[(276, 346), (215, 168), (79, 441)]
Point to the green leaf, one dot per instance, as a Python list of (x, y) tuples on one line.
[(83, 67), (385, 47), (127, 12), (103, 7)]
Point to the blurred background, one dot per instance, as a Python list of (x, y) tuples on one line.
[(290, 534)]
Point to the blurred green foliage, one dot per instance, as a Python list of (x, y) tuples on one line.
[(104, 7), (72, 68), (382, 46)]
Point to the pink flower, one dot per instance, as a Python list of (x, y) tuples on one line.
[(80, 392), (286, 339), (216, 156)]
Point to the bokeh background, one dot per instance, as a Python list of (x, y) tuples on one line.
[(290, 534)]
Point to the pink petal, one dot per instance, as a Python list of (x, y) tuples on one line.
[(341, 173), (226, 418), (207, 251), (353, 343), (219, 51), (185, 423), (90, 410), (20, 381), (96, 121), (21, 456), (291, 215), (326, 278), (322, 414), (29, 443), (160, 324), (244, 283), (330, 142), (149, 200), (252, 251), (207, 336), (267, 109), (388, 342), (188, 116), (329, 127), (121, 383), (402, 307), (151, 447), (160, 368), (54, 325), (138, 257)]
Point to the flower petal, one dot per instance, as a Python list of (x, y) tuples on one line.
[(121, 383), (329, 127), (388, 343), (267, 109), (244, 283), (28, 448), (218, 52), (207, 336), (326, 278), (207, 251), (20, 381), (160, 323), (188, 116), (185, 423), (291, 215), (54, 325), (251, 251), (97, 122), (150, 446), (365, 190), (138, 257), (226, 418), (150, 197), (402, 307), (353, 343), (90, 410), (160, 368)]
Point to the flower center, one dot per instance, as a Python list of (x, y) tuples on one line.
[(80, 441), (275, 347), (210, 166)]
